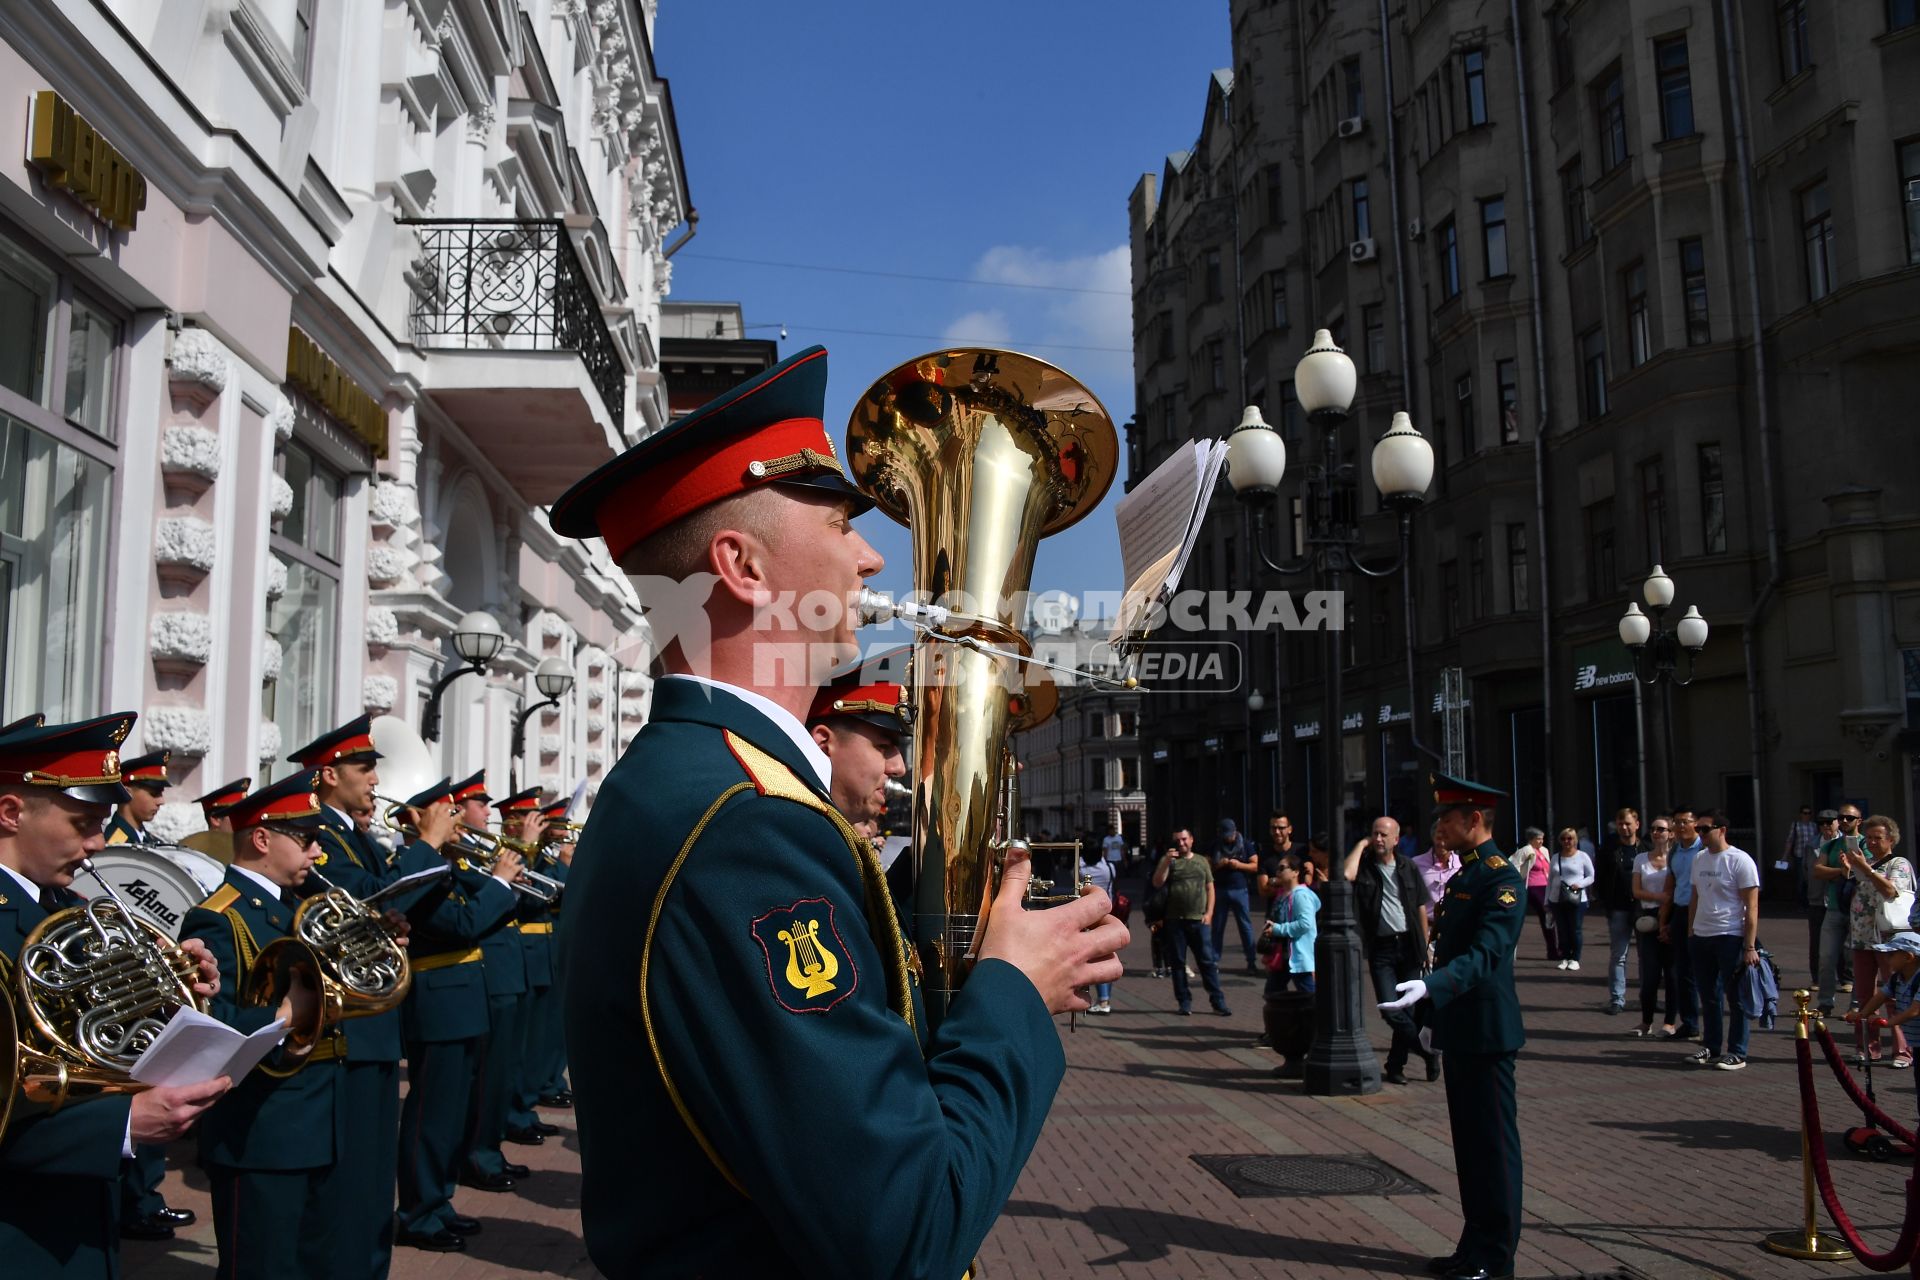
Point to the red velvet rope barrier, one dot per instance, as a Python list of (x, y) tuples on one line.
[(1902, 1252), (1868, 1106)]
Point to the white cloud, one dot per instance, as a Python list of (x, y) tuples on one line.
[(1086, 327), (979, 328)]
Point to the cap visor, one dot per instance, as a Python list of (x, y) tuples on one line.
[(834, 483), (99, 793)]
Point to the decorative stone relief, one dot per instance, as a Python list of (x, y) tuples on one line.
[(383, 628), (177, 820), (280, 417), (190, 451), (390, 503), (553, 625), (596, 725), (593, 790), (176, 637), (386, 564), (185, 731), (198, 357), (554, 783), (276, 578), (596, 761), (596, 694), (184, 542), (379, 693), (270, 659), (549, 744), (480, 123), (279, 499), (266, 748)]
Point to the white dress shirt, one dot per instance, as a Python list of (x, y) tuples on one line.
[(783, 720)]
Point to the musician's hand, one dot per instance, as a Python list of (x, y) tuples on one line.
[(300, 1006), (398, 927), (435, 824), (533, 828), (207, 969), (1062, 950), (162, 1114), (508, 866)]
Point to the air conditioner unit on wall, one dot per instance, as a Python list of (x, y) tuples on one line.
[(1363, 250), (1352, 127), (1415, 228)]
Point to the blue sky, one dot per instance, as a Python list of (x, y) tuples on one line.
[(989, 142)]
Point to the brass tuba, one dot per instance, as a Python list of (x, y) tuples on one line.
[(980, 453)]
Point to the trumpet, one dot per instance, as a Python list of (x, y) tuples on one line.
[(395, 817), (483, 850)]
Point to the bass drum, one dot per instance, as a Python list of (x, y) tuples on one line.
[(161, 882)]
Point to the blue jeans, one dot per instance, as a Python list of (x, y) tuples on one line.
[(1102, 992), (1191, 933), (1567, 919), (1240, 904), (1683, 965), (1619, 939), (1717, 972), (1279, 979)]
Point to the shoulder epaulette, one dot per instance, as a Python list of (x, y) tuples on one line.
[(119, 836), (1495, 861), (220, 899), (772, 778)]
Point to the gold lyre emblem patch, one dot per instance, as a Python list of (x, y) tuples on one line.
[(808, 967)]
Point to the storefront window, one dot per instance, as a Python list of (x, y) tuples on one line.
[(306, 619), (26, 300), (53, 526), (92, 339)]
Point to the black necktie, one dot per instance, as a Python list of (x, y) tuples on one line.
[(50, 901), (289, 899)]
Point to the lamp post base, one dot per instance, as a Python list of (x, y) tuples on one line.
[(1810, 1245), (1343, 1067), (1341, 1062)]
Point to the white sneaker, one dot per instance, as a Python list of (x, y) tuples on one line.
[(1561, 965), (1102, 1007), (1573, 966)]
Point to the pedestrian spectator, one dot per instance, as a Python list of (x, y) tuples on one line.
[(1114, 847), (1535, 863), (1817, 887), (1585, 841), (1899, 992), (1686, 847), (1652, 888), (1159, 940), (1724, 923), (1613, 886), (1099, 872), (1803, 842), (1436, 867), (1836, 949), (1567, 880), (1291, 921), (1279, 844), (1880, 876), (1319, 861), (1234, 867), (1188, 881), (1389, 904)]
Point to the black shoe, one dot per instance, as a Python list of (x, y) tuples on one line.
[(1440, 1266), (564, 1098), (1394, 1075), (544, 1129), (151, 1227), (1290, 1071), (441, 1241), (1221, 1011), (1469, 1272), (1611, 1010), (485, 1181), (461, 1225), (1433, 1067), (176, 1217), (518, 1172), (1184, 1011), (525, 1137)]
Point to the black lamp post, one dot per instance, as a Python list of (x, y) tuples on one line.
[(1658, 652), (476, 638), (1341, 1060), (553, 677)]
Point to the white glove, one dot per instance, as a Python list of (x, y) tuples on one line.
[(1411, 993)]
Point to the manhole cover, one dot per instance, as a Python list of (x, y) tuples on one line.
[(1270, 1175)]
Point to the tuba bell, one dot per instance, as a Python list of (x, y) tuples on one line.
[(980, 453)]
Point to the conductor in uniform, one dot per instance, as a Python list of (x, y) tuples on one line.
[(806, 1120), (1475, 1019)]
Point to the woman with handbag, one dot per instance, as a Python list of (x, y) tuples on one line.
[(1882, 905), (1567, 880), (1652, 885), (1532, 861)]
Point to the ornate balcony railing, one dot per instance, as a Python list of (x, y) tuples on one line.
[(511, 284)]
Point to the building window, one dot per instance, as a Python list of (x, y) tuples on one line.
[(305, 619), (1276, 211), (1094, 721), (1713, 502), (1600, 566), (1163, 349), (1217, 365), (1816, 235), (1277, 298), (1693, 288), (1128, 722), (1902, 14), (1477, 575), (1362, 210), (1212, 275), (1473, 69), (1653, 509), (1573, 196), (1560, 37), (1450, 594), (1506, 377), (1448, 241), (1373, 324), (1128, 768), (1639, 330), (1593, 373), (1463, 408), (1610, 119), (1676, 88), (1493, 236), (1096, 773), (1355, 86), (1516, 568), (1910, 195), (1796, 54)]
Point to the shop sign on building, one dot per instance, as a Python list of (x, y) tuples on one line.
[(1601, 666), (72, 156), (314, 372)]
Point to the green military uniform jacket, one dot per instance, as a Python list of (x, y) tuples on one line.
[(1476, 926), (59, 1174), (741, 1011), (448, 1000), (120, 831), (356, 862), (269, 1120)]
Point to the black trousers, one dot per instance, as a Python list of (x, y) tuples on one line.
[(279, 1224), (1483, 1110), (1394, 960)]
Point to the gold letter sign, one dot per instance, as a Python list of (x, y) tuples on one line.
[(74, 158)]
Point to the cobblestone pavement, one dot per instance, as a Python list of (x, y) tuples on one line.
[(1636, 1164)]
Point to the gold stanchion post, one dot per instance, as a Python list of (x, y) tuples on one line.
[(1806, 1240)]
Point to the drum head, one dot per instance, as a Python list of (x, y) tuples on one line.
[(148, 882), (207, 871)]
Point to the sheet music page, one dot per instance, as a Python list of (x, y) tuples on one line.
[(407, 882), (1159, 524), (1211, 457), (193, 1047)]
